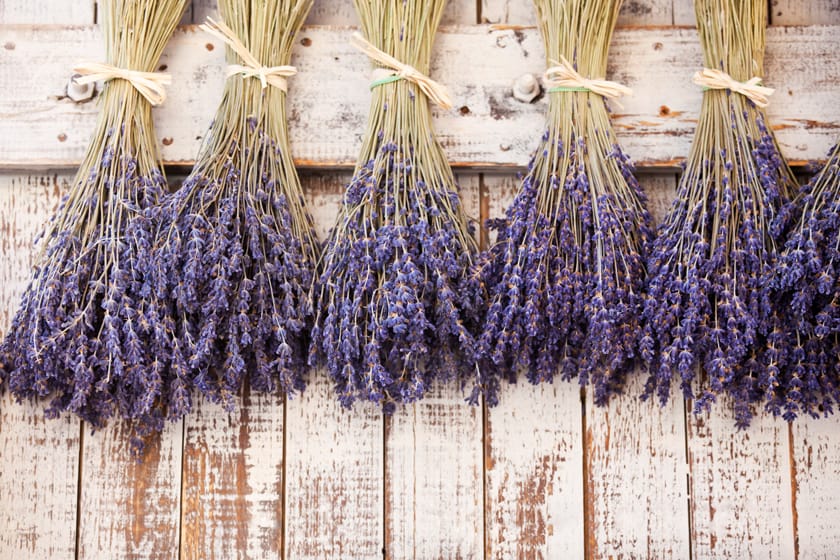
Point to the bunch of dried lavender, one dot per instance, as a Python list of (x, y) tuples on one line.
[(394, 311), (706, 306), (566, 274), (229, 280), (803, 350), (79, 332)]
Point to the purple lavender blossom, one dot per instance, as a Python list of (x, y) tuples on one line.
[(802, 359)]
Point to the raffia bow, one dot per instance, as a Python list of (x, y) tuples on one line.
[(274, 76), (396, 70), (752, 89), (150, 85), (562, 76)]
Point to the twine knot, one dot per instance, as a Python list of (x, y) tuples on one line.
[(752, 89), (395, 70), (149, 84), (562, 76), (274, 76)]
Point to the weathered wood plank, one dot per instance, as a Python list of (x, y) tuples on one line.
[(66, 12), (812, 12), (434, 466), (740, 487), (816, 468), (637, 469), (334, 457), (489, 128), (39, 459), (534, 454), (434, 479), (130, 509), (233, 480), (633, 12), (637, 478)]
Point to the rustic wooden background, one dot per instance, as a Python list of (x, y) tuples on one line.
[(544, 475)]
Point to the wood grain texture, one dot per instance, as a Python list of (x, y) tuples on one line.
[(130, 509), (47, 11), (489, 129), (434, 463), (816, 466), (334, 457), (811, 12), (434, 479), (39, 459), (684, 13), (233, 480), (39, 463), (534, 455), (741, 504), (637, 469)]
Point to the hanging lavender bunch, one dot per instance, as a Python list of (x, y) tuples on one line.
[(566, 275), (706, 306), (235, 254), (394, 307), (803, 350), (77, 336)]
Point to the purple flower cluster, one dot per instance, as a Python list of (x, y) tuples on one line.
[(78, 335), (228, 282), (706, 306), (566, 275), (803, 349), (395, 305)]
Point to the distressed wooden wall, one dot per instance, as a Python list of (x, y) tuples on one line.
[(544, 475)]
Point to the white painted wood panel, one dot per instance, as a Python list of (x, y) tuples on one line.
[(39, 458), (637, 469), (329, 98), (233, 480), (534, 454), (130, 509), (741, 504), (434, 465), (816, 466), (334, 457)]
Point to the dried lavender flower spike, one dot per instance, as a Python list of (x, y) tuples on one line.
[(566, 274), (77, 336), (706, 306), (394, 308), (229, 281), (803, 350)]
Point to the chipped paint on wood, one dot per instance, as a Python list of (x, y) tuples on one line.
[(816, 465), (741, 503), (233, 480), (39, 458), (130, 509), (434, 491)]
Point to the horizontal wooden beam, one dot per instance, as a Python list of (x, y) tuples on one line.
[(487, 129)]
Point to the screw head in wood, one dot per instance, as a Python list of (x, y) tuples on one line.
[(526, 88), (79, 92)]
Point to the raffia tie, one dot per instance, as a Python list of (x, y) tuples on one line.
[(752, 89), (562, 76), (395, 70), (274, 76), (150, 85)]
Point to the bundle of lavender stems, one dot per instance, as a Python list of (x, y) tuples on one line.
[(566, 274), (229, 279), (803, 349), (78, 335), (395, 307), (706, 308)]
